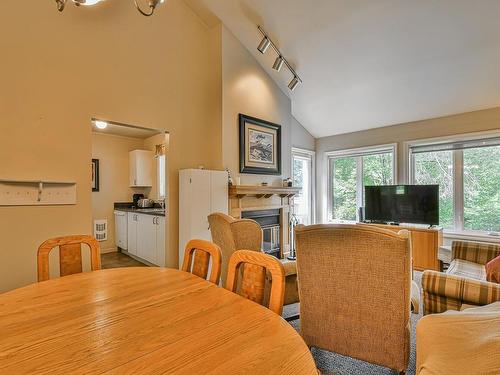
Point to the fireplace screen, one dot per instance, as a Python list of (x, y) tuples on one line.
[(269, 220)]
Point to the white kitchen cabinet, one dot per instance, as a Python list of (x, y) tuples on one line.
[(141, 168), (132, 221), (201, 192), (121, 226), (146, 238), (160, 241)]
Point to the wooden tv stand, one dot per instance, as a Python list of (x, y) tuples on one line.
[(425, 243)]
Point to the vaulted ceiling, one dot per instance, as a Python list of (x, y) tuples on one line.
[(369, 63)]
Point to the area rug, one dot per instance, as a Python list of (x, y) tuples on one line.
[(335, 364)]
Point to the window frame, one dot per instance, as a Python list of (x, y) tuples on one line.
[(458, 164), (158, 176), (305, 153), (359, 152)]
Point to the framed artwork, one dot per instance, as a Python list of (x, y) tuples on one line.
[(260, 146), (95, 174)]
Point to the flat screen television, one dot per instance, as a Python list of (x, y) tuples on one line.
[(417, 204)]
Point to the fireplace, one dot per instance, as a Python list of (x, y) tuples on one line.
[(269, 220)]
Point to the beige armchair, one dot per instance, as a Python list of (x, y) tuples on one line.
[(245, 234), (354, 286)]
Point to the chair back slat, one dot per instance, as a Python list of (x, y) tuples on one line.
[(197, 257), (70, 259), (201, 263), (253, 276), (70, 255)]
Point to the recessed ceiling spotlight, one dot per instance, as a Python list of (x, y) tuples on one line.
[(278, 63), (294, 83), (99, 124), (264, 45)]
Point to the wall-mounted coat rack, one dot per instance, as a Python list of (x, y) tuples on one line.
[(37, 193)]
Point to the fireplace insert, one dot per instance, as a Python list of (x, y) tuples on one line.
[(269, 220)]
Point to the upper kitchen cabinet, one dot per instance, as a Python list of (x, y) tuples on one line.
[(141, 168)]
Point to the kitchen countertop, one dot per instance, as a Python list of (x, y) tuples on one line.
[(144, 211)]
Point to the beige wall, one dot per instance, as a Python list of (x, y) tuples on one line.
[(249, 90), (477, 121), (301, 138), (113, 154), (60, 69)]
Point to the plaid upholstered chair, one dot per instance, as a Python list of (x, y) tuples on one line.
[(354, 286), (464, 283), (245, 234)]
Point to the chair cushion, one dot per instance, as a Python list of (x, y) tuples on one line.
[(468, 269), (493, 270), (466, 342)]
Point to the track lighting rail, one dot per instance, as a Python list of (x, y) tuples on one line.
[(264, 45)]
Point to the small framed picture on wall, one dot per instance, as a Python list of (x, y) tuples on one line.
[(95, 174), (260, 146)]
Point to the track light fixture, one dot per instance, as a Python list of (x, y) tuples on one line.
[(293, 83), (278, 63), (152, 5), (264, 45), (280, 60)]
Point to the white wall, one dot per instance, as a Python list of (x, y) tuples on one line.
[(301, 138), (248, 89)]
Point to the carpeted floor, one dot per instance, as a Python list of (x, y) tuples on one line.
[(334, 364)]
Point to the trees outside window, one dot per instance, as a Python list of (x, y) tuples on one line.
[(468, 174), (351, 171)]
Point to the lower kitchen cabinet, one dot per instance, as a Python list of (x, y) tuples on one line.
[(146, 237), (132, 221)]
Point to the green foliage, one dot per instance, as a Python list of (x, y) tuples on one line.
[(344, 189), (377, 170), (482, 189), (437, 168)]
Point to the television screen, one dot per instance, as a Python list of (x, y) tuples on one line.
[(417, 204)]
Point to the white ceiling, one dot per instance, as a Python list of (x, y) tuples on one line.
[(373, 63)]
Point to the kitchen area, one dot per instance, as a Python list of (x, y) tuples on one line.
[(129, 193)]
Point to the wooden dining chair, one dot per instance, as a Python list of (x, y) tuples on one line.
[(70, 255), (253, 277), (197, 259)]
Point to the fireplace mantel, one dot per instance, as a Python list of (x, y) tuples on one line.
[(241, 191), (252, 198)]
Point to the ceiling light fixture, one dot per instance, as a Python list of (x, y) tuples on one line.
[(151, 3), (278, 63), (280, 60), (264, 45), (99, 124), (293, 83), (152, 6)]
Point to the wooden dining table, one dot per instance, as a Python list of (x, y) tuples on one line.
[(143, 320)]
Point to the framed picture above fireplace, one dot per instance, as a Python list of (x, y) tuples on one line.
[(260, 146)]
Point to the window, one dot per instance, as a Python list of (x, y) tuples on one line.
[(350, 171), (468, 174), (162, 185), (303, 177)]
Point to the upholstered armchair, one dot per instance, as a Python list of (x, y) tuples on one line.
[(354, 286), (244, 234), (464, 283)]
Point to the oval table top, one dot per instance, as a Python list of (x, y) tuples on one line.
[(143, 320)]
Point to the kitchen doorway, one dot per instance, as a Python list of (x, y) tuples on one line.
[(129, 193)]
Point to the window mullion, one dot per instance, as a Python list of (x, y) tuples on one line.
[(359, 185), (458, 189)]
